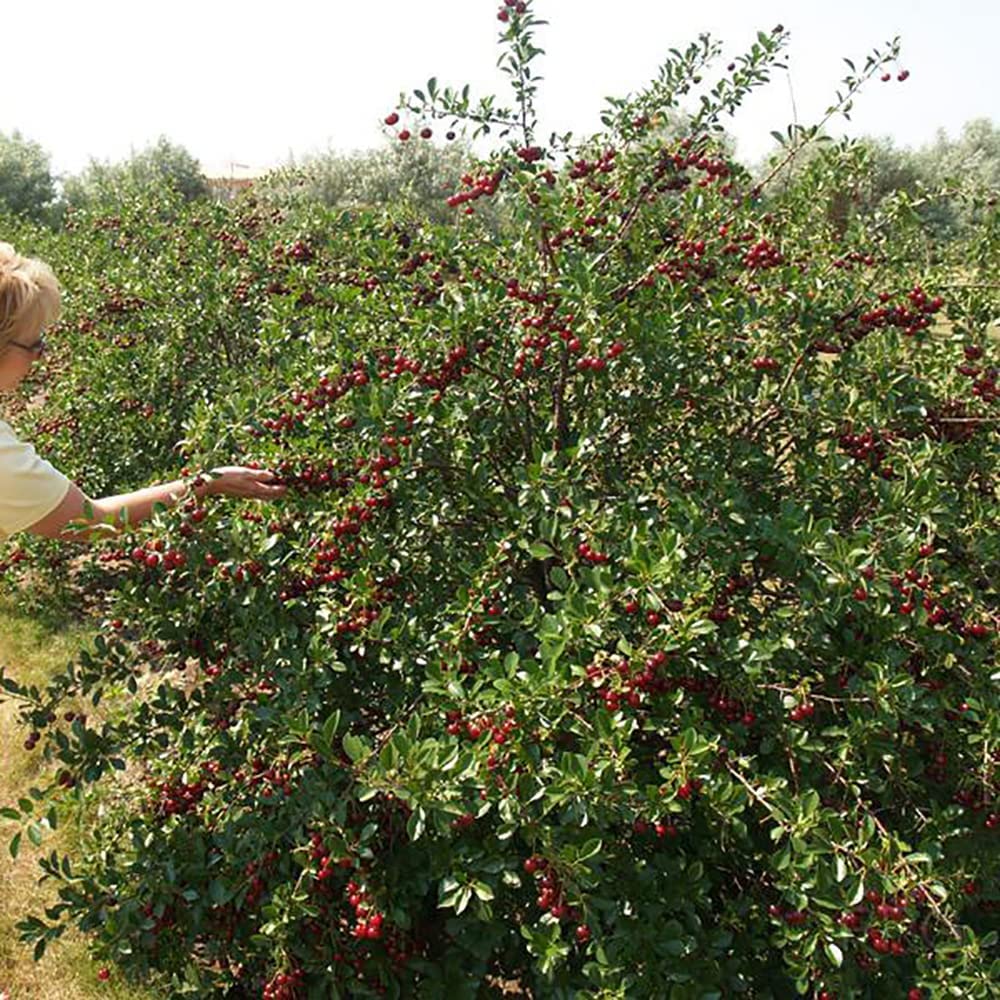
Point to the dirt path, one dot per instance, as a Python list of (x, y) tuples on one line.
[(31, 652)]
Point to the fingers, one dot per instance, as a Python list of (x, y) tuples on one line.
[(255, 484), (262, 485)]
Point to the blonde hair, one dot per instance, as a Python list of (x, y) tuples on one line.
[(29, 295)]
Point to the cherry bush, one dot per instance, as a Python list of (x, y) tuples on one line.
[(630, 625)]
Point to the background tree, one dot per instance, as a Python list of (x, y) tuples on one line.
[(162, 163), (26, 184), (415, 175), (947, 182)]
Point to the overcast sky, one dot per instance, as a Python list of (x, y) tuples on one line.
[(254, 83)]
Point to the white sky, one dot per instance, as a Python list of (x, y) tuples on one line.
[(253, 83)]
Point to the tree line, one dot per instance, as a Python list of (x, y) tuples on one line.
[(943, 179)]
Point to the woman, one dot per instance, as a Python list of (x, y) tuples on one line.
[(36, 497)]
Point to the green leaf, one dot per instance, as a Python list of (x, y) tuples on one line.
[(464, 898), (355, 747), (330, 727), (857, 895), (540, 550), (483, 891), (15, 845), (270, 543), (834, 953), (416, 823)]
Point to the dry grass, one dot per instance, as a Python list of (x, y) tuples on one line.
[(32, 650)]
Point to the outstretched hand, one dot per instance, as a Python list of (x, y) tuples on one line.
[(239, 481)]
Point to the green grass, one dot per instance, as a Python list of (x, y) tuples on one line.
[(37, 640)]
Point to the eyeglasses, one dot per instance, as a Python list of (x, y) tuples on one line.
[(37, 348)]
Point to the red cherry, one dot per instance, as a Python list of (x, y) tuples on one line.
[(392, 119), (104, 975), (425, 133), (583, 934), (404, 135)]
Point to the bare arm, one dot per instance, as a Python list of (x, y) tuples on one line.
[(132, 508)]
